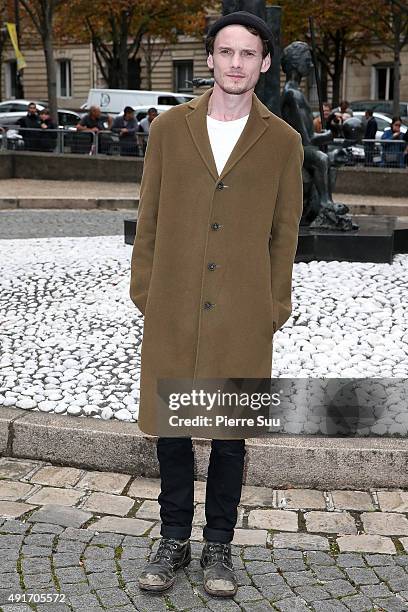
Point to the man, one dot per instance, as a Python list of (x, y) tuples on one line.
[(48, 135), (126, 125), (370, 134), (31, 124), (220, 205), (92, 122), (144, 126), (317, 121)]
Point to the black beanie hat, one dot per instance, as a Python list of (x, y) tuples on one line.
[(242, 18)]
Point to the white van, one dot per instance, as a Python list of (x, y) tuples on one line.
[(114, 100)]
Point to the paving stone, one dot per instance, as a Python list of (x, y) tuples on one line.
[(35, 565), (299, 578), (70, 575), (262, 580), (66, 559), (291, 565), (398, 584), (374, 559), (113, 597), (404, 542), (11, 509), (13, 490), (389, 573), (286, 553), (33, 580), (105, 503), (319, 558), (242, 577), (7, 565), (312, 593), (257, 606), (129, 526), (301, 499), (325, 572), (13, 526), (147, 488), (339, 588), (107, 539), (9, 580), (81, 535), (362, 575), (60, 515), (16, 608), (149, 509), (224, 605), (10, 541), (391, 604), (84, 602), (96, 552), (329, 605), (36, 551), (39, 539), (282, 520), (330, 522), (350, 560), (256, 496), (56, 476), (401, 560), (300, 541), (46, 528), (393, 501), (366, 543), (100, 565), (275, 592), (385, 523), (13, 469), (375, 590), (134, 552), (256, 554), (54, 495), (260, 567), (109, 482), (352, 500), (70, 546), (292, 604), (251, 537)]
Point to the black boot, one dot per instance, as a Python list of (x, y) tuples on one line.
[(219, 576), (159, 573)]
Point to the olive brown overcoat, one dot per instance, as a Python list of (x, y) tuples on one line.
[(211, 267)]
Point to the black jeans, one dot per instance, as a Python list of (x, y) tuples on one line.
[(223, 490)]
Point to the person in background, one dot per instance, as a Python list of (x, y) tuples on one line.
[(394, 153), (370, 134), (31, 124), (144, 125), (48, 137), (337, 117), (93, 122), (317, 122), (126, 125)]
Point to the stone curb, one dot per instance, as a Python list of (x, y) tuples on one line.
[(69, 203), (280, 462)]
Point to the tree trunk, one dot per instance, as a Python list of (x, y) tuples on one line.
[(396, 85), (51, 72)]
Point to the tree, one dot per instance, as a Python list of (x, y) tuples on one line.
[(340, 32), (42, 15), (116, 29), (388, 23)]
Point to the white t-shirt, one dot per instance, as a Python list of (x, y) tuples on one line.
[(223, 137)]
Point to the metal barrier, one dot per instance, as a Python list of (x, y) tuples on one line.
[(63, 141), (376, 152)]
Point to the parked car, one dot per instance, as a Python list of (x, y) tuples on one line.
[(19, 106), (381, 106), (66, 119), (113, 101)]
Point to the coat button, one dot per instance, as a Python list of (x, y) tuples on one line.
[(220, 185), (212, 266), (208, 305), (215, 226)]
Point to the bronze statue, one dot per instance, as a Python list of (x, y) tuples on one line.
[(321, 211)]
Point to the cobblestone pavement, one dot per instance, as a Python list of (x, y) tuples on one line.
[(80, 538), (43, 223)]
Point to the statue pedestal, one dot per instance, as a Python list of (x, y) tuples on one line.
[(377, 240)]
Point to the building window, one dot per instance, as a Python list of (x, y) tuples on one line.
[(11, 79), (64, 82), (383, 82), (183, 76)]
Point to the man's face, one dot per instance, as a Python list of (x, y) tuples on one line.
[(152, 115), (96, 112), (129, 116), (32, 109), (237, 59)]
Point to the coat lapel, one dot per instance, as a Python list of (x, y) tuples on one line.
[(253, 130)]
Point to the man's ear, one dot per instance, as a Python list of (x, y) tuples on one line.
[(266, 62), (210, 61)]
